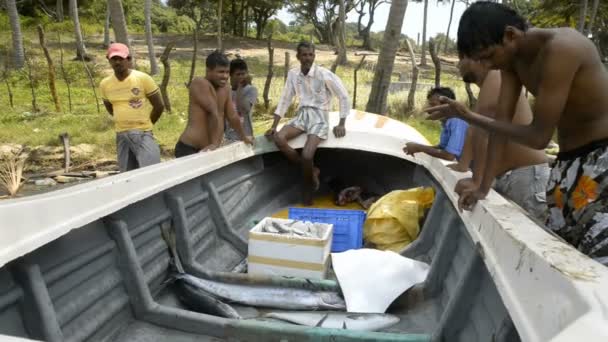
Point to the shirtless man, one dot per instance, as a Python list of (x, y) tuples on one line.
[(523, 171), (210, 103), (563, 70)]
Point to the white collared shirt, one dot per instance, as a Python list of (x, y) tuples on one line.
[(313, 90)]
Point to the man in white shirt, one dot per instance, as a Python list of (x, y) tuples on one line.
[(314, 86)]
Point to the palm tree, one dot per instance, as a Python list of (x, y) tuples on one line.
[(106, 28), (447, 34), (149, 39), (423, 53), (596, 4), (59, 9), (81, 52), (119, 24), (582, 16), (13, 16), (220, 44), (341, 36), (386, 59)]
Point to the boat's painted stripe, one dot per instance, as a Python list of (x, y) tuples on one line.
[(286, 263), (265, 330)]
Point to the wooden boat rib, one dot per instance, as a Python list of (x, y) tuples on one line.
[(87, 263)]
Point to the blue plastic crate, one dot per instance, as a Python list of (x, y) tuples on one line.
[(348, 225)]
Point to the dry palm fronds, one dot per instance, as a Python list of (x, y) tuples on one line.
[(11, 171)]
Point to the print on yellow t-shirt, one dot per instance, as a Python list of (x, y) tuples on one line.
[(129, 100)]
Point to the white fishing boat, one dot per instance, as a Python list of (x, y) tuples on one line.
[(87, 263)]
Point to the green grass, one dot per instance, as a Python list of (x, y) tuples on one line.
[(85, 125)]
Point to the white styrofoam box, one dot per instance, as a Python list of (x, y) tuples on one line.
[(286, 255)]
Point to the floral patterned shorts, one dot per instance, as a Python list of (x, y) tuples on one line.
[(577, 196)]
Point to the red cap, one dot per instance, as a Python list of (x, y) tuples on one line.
[(118, 49)]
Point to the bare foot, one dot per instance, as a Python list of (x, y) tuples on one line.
[(315, 179)]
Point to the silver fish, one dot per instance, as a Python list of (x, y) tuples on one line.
[(197, 300), (338, 320), (267, 296)]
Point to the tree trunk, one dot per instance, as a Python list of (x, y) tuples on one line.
[(235, 18), (596, 4), (423, 53), (59, 9), (242, 19), (286, 66), (384, 68), (411, 97), (32, 87), (582, 16), (355, 81), (13, 16), (164, 58), (270, 72), (5, 76), (119, 24), (341, 36), (194, 52), (149, 39), (447, 34), (246, 23), (49, 61), (81, 52), (92, 84), (106, 28), (64, 74), (436, 62), (367, 41), (219, 26)]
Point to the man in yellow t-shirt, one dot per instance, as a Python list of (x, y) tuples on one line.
[(124, 94)]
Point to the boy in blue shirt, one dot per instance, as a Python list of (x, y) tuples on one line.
[(453, 133)]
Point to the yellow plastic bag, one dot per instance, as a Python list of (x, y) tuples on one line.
[(393, 221)]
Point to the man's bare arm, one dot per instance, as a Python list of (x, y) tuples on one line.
[(510, 89), (203, 95), (157, 106), (109, 107), (437, 153), (559, 69), (433, 151), (487, 105)]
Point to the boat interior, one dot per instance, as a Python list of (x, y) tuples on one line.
[(106, 281)]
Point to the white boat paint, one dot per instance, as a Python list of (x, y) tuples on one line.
[(552, 291)]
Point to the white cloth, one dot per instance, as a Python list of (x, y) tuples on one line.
[(313, 90), (372, 279)]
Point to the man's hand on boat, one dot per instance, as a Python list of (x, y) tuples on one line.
[(470, 196), (458, 168), (449, 108), (465, 184), (270, 133), (249, 140), (411, 148), (339, 131)]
